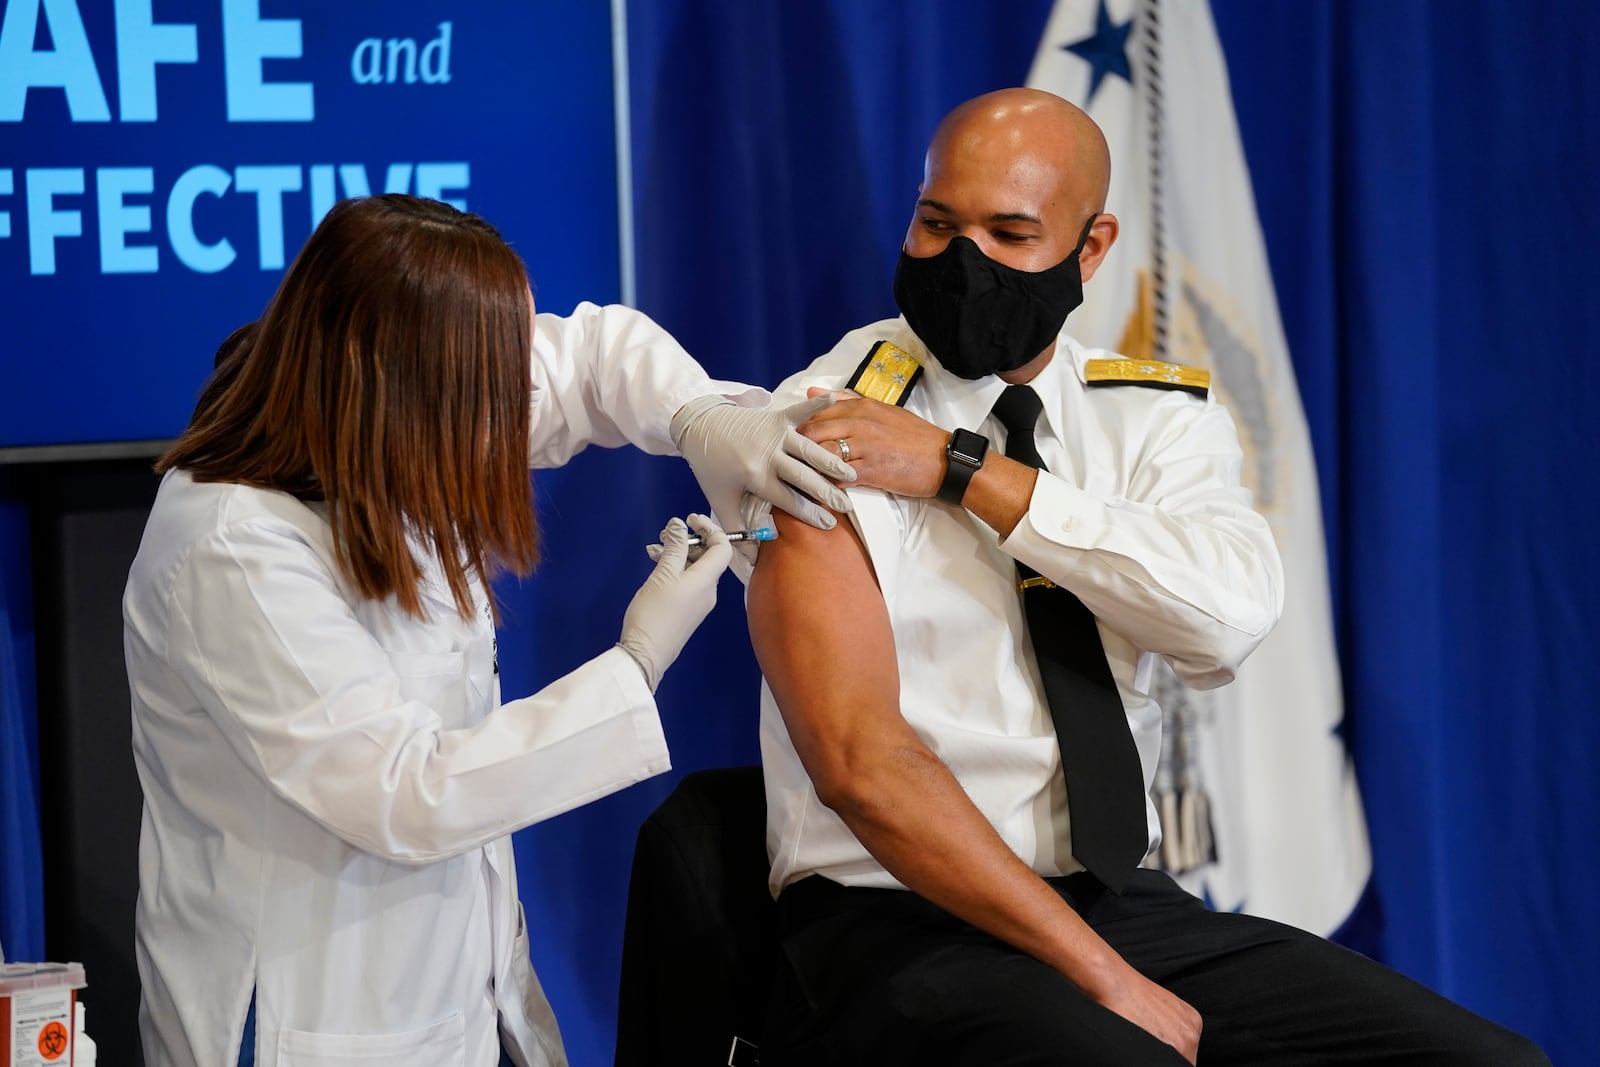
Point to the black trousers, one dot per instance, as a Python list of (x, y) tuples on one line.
[(882, 977)]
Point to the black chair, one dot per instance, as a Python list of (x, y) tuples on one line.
[(699, 945)]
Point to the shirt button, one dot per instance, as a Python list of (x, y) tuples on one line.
[(1069, 524)]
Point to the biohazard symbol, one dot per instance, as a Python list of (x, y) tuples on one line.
[(53, 1041)]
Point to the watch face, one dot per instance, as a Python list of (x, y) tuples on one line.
[(968, 447)]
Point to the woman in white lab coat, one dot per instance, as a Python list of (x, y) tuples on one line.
[(330, 776)]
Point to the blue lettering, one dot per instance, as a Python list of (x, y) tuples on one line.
[(269, 184), (436, 57), (366, 62), (118, 219), (323, 194), (125, 199), (141, 44), (353, 176), (247, 39), (195, 254), (434, 178), (399, 46), (45, 223), (69, 67), (405, 63)]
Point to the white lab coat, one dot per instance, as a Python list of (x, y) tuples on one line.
[(330, 784)]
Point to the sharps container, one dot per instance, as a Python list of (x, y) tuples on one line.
[(37, 1002)]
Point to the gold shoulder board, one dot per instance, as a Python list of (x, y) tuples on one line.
[(1149, 372), (888, 374)]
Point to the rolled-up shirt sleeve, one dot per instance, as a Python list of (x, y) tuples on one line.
[(611, 376), (1180, 563)]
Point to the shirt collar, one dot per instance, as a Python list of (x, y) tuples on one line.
[(960, 402)]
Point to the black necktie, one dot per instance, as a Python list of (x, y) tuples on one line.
[(1105, 783)]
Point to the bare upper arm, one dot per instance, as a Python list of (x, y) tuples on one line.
[(821, 633)]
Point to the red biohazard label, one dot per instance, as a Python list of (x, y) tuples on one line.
[(54, 1041)]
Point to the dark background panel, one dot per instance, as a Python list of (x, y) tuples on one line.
[(87, 522)]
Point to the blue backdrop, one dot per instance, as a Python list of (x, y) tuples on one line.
[(1425, 175), (158, 168)]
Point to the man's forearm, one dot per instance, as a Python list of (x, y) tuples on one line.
[(999, 493), (909, 811)]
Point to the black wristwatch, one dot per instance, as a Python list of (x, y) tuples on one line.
[(965, 453)]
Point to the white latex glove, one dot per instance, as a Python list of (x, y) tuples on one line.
[(676, 598), (733, 450)]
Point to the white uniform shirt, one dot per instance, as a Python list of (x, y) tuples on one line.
[(1141, 515), (329, 783)]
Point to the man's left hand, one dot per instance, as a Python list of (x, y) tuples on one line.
[(889, 447)]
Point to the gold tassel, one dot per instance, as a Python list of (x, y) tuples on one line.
[(1194, 815), (1171, 834)]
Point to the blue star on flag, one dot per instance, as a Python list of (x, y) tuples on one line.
[(1106, 51)]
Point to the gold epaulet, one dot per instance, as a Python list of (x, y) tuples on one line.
[(1148, 372), (887, 374)]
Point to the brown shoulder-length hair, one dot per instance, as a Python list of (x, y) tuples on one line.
[(389, 376)]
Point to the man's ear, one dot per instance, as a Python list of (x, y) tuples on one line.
[(1102, 235)]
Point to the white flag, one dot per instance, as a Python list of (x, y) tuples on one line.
[(1187, 281)]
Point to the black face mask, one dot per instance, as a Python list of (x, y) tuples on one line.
[(979, 317)]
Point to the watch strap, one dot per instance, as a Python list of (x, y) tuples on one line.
[(964, 457)]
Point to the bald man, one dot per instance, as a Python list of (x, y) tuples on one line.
[(955, 834)]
